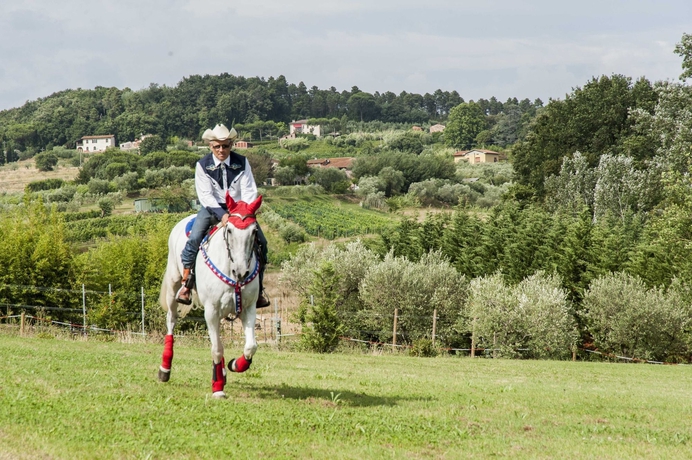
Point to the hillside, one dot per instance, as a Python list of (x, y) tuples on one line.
[(15, 176)]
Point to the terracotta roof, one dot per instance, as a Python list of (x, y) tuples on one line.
[(341, 162), (462, 153), (104, 136)]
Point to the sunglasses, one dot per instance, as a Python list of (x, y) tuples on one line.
[(221, 146)]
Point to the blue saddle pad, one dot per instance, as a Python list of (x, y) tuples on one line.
[(188, 227)]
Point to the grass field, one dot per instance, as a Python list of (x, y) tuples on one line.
[(77, 399)]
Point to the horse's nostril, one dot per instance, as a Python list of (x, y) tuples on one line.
[(247, 273)]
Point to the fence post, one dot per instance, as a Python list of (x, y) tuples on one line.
[(142, 310), (434, 325), (494, 345), (277, 322), (396, 317), (473, 339), (574, 352), (84, 307), (21, 324)]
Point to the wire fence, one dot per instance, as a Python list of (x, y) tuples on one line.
[(273, 332)]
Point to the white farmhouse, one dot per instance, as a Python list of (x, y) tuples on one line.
[(302, 127), (96, 143)]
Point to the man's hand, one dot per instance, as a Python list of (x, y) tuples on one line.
[(224, 219)]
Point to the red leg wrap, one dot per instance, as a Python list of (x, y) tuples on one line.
[(241, 364), (167, 359), (218, 376)]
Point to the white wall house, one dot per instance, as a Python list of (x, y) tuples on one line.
[(477, 156), (302, 127), (96, 143)]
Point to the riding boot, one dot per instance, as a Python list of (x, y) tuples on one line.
[(263, 300), (184, 295)]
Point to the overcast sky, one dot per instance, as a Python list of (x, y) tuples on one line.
[(480, 48)]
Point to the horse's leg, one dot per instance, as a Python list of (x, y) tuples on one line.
[(167, 300), (242, 364), (218, 377)]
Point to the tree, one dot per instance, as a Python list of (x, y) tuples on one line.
[(392, 179), (331, 179), (285, 175), (465, 122), (322, 328), (46, 161), (362, 106), (261, 164), (684, 49), (106, 206), (153, 143), (594, 120)]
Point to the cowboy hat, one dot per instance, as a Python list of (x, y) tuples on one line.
[(219, 133)]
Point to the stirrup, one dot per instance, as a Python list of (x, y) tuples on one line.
[(264, 304), (181, 300)]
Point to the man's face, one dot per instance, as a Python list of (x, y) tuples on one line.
[(221, 149)]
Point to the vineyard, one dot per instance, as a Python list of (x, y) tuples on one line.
[(326, 219)]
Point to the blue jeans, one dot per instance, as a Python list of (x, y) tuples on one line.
[(203, 222)]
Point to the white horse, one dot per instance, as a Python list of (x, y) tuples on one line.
[(226, 271)]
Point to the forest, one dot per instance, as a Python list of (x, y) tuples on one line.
[(259, 108)]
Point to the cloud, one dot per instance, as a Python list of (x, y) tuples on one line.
[(521, 48)]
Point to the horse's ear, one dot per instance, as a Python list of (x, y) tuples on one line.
[(230, 202), (254, 206)]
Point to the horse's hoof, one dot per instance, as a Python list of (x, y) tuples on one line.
[(219, 395), (164, 376)]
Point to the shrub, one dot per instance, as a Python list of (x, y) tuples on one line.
[(99, 186), (550, 324), (299, 190), (494, 317), (46, 184), (350, 263), (423, 348), (416, 289), (369, 184), (626, 318), (285, 175), (128, 182), (46, 161), (62, 195), (114, 170), (534, 314), (106, 206), (175, 175), (375, 200), (65, 154), (292, 233), (294, 145), (154, 178), (331, 179)]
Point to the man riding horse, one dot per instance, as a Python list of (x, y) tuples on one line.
[(217, 173)]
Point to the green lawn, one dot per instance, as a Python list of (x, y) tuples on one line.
[(74, 399)]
